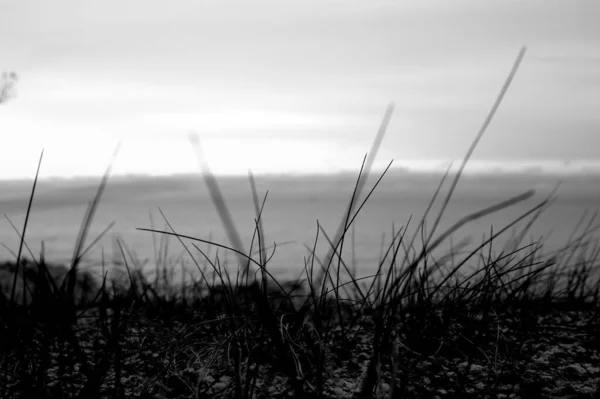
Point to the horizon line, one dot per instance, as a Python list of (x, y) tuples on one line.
[(590, 168)]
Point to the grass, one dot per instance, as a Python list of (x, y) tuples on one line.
[(478, 322)]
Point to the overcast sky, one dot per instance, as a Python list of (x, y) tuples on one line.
[(281, 86)]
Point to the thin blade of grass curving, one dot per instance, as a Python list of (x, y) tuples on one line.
[(258, 235), (340, 234), (259, 224), (483, 129), (480, 134), (467, 219), (518, 239), (484, 212), (85, 227), (10, 251), (394, 248), (239, 253), (96, 240), (22, 243), (342, 263), (40, 266), (184, 246), (334, 248), (426, 213), (367, 170), (351, 206), (21, 238), (496, 235)]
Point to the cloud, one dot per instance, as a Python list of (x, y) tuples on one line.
[(311, 70), (571, 60)]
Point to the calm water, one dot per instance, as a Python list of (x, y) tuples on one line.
[(292, 209)]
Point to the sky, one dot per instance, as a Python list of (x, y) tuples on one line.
[(295, 87)]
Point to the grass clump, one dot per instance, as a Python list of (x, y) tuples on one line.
[(496, 322)]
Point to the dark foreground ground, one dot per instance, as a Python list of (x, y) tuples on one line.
[(154, 344)]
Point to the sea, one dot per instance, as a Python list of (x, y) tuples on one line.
[(300, 214)]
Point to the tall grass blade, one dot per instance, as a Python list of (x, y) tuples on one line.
[(480, 134), (218, 199), (70, 279), (367, 170), (90, 212), (259, 226), (22, 243)]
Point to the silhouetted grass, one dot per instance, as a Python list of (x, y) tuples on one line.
[(475, 322)]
